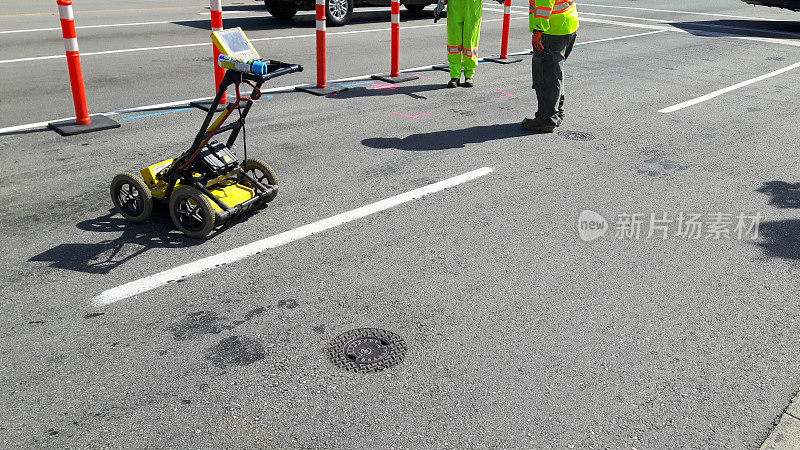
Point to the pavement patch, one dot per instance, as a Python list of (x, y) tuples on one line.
[(235, 351), (366, 350)]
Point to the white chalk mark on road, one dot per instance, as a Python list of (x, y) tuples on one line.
[(719, 92), (186, 270)]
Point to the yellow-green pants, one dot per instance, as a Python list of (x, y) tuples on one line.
[(463, 34)]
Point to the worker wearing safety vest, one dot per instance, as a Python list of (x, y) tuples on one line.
[(463, 34), (553, 24)]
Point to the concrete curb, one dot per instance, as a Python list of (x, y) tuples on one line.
[(786, 435)]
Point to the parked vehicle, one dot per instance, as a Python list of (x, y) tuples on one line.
[(338, 12), (787, 4)]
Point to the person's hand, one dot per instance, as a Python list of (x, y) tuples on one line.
[(536, 42)]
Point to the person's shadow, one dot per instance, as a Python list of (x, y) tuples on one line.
[(105, 255), (449, 139)]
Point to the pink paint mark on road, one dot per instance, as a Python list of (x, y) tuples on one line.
[(507, 94), (422, 76), (383, 86), (408, 115)]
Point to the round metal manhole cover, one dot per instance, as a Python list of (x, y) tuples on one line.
[(366, 350), (576, 135)]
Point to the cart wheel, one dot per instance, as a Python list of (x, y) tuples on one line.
[(262, 173), (131, 197), (192, 212)]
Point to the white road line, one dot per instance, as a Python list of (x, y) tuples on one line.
[(41, 125), (719, 92), (528, 52), (677, 12), (186, 270), (91, 26), (165, 47)]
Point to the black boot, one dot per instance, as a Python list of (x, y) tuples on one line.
[(453, 83)]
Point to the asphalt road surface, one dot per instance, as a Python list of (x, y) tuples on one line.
[(520, 334)]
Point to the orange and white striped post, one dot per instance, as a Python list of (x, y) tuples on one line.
[(73, 62), (322, 87), (219, 72), (503, 58), (394, 74), (216, 25), (82, 122)]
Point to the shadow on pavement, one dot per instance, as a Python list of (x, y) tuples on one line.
[(449, 139), (268, 22), (103, 256), (753, 28), (782, 194), (411, 90), (781, 238)]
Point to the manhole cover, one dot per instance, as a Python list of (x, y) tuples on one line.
[(366, 350), (576, 135)]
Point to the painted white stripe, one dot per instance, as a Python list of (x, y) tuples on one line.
[(395, 18), (186, 270), (65, 12), (321, 2), (506, 9), (320, 25), (676, 12), (719, 92), (166, 47), (112, 25), (71, 44), (216, 5), (216, 28), (527, 52), (43, 125)]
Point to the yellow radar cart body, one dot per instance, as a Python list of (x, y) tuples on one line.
[(207, 185)]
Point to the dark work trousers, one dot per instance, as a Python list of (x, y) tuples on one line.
[(548, 77)]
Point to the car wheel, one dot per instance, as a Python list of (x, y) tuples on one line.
[(338, 12), (281, 10)]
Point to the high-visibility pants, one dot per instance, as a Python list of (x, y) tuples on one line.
[(463, 34)]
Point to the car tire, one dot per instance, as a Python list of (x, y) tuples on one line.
[(338, 12), (281, 10), (416, 8)]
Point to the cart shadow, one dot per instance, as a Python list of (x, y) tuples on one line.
[(752, 28), (105, 255), (449, 139), (781, 238), (383, 89)]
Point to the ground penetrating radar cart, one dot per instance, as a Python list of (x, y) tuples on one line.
[(207, 185)]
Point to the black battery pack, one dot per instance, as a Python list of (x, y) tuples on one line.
[(218, 158)]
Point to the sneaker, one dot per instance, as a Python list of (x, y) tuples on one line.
[(468, 82), (535, 125), (453, 83)]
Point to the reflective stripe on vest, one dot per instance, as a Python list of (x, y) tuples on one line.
[(539, 12), (454, 50), (470, 52), (562, 7)]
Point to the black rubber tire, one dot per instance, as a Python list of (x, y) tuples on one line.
[(331, 17), (138, 202), (416, 8), (192, 212), (281, 10), (263, 173)]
